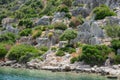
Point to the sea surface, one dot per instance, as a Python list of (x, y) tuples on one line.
[(7, 73)]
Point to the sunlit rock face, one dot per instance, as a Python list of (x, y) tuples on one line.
[(93, 3)]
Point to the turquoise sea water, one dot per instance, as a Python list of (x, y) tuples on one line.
[(24, 74)]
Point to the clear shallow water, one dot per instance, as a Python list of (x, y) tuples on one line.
[(23, 74)]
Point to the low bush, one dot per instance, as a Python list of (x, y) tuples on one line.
[(19, 51), (103, 11), (60, 53), (115, 44), (8, 37), (68, 15), (36, 33), (60, 26), (26, 22), (54, 48), (73, 60), (68, 49), (3, 51), (113, 31), (117, 59), (67, 2), (63, 8), (43, 48), (94, 55), (68, 35), (25, 32)]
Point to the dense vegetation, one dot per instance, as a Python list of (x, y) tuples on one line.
[(26, 14)]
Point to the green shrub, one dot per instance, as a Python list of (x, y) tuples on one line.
[(68, 35), (94, 55), (60, 53), (68, 15), (25, 32), (19, 51), (36, 33), (117, 59), (42, 28), (26, 22), (8, 37), (113, 31), (3, 51), (68, 49), (115, 44), (63, 8), (50, 26), (60, 26), (102, 11), (54, 48), (73, 60), (43, 48), (2, 16), (67, 2)]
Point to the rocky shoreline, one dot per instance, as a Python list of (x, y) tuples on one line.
[(109, 71)]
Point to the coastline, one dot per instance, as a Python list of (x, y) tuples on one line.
[(112, 72)]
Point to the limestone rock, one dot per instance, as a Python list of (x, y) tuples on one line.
[(80, 10), (118, 51), (43, 42), (95, 41), (9, 28), (45, 20), (96, 30)]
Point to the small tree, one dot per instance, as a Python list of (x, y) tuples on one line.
[(68, 35)]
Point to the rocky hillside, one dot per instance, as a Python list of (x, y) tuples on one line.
[(60, 32)]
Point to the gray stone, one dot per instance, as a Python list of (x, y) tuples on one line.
[(59, 15), (9, 28), (94, 3), (80, 10), (96, 30), (95, 41), (45, 20), (118, 51), (85, 27), (25, 40), (107, 62), (43, 42), (7, 21), (8, 63), (113, 20), (62, 43)]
